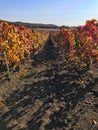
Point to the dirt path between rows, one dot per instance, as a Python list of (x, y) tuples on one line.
[(48, 94)]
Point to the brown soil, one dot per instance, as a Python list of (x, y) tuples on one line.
[(49, 94)]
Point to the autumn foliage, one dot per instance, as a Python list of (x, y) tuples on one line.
[(80, 44), (17, 42)]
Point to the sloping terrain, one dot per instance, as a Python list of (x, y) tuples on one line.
[(49, 94)]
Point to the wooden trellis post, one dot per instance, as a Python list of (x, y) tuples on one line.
[(5, 57)]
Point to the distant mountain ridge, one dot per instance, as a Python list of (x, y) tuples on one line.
[(35, 25), (39, 25)]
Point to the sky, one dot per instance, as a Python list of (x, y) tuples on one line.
[(59, 12)]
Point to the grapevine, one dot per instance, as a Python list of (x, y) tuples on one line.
[(80, 44), (17, 43)]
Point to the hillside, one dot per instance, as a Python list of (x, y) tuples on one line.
[(36, 25)]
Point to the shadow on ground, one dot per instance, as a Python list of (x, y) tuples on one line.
[(48, 102)]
